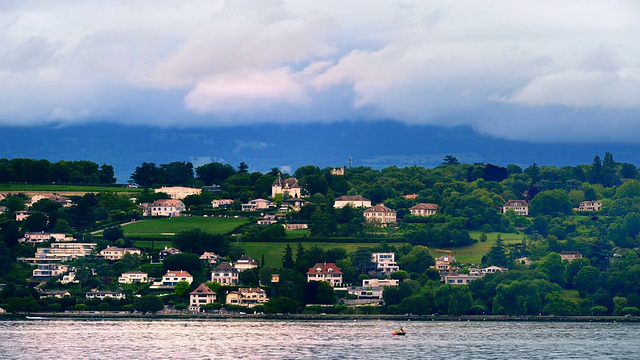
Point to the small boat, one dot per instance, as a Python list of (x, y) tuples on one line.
[(399, 332)]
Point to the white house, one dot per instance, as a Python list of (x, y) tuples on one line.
[(385, 263), (257, 204), (116, 253), (105, 294), (40, 237), (132, 277), (178, 192), (167, 207), (380, 214), (288, 187), (172, 277), (423, 209), (221, 203), (328, 272), (354, 201), (521, 207), (590, 205)]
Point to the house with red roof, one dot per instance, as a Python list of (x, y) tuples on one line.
[(167, 207), (328, 272), (172, 277)]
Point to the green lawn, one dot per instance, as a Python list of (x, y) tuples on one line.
[(292, 234), (572, 295), (171, 226), (149, 244), (473, 253), (273, 251), (66, 188)]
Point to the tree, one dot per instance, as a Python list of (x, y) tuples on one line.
[(181, 288), (183, 261), (552, 266), (450, 160), (106, 174), (281, 304), (587, 280), (418, 260), (243, 168), (146, 174), (62, 226), (362, 259), (517, 298), (214, 173), (497, 254), (148, 303), (556, 305), (550, 202), (287, 258), (113, 233), (36, 222)]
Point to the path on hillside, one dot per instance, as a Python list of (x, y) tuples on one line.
[(123, 224)]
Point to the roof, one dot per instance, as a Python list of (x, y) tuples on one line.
[(202, 290), (424, 206), (134, 273), (323, 268), (168, 202), (247, 258), (380, 208), (516, 203), (178, 273), (352, 198), (286, 183), (225, 267), (250, 290)]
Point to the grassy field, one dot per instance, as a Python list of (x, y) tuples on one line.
[(273, 251), (148, 244), (572, 295), (171, 226), (292, 234), (65, 188), (473, 253)]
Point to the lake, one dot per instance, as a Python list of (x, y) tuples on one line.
[(278, 339)]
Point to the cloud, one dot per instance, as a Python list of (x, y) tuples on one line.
[(495, 65)]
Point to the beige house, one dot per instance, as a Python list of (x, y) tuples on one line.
[(40, 237), (58, 294), (337, 171), (461, 279), (210, 258), (116, 253), (245, 262), (355, 201), (21, 215), (385, 263), (591, 205), (328, 272), (172, 277), (166, 252), (570, 255), (488, 270), (295, 226), (521, 207), (202, 295), (221, 203), (380, 214), (167, 207), (66, 250), (423, 209), (444, 262), (288, 187), (133, 277), (225, 274), (257, 204), (178, 192), (248, 297), (64, 201), (381, 282)]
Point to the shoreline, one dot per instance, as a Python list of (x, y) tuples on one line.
[(312, 317)]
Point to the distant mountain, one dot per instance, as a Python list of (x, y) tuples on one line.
[(262, 147)]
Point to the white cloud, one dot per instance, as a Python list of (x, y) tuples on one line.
[(239, 61)]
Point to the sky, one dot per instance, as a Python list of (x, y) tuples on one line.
[(538, 71)]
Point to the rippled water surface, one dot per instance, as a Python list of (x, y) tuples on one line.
[(276, 339)]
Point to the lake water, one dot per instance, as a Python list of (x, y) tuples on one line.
[(277, 339)]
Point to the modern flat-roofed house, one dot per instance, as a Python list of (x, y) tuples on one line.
[(167, 207), (105, 294), (116, 253), (172, 277), (221, 203), (178, 192), (202, 295), (288, 187), (521, 207), (488, 270), (248, 297), (133, 277), (328, 272), (385, 263), (381, 282), (461, 279), (38, 237), (257, 204), (444, 262), (225, 274), (293, 204), (423, 209), (245, 262), (48, 271), (380, 214), (355, 201), (65, 250), (590, 205)]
